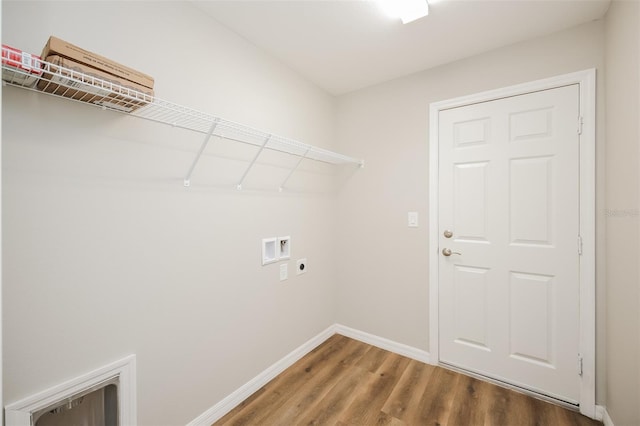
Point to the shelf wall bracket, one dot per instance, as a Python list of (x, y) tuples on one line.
[(281, 188), (187, 179), (246, 172)]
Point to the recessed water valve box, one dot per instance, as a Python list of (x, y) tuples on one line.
[(284, 247), (269, 252)]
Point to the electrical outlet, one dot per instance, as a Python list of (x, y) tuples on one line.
[(284, 271), (301, 266)]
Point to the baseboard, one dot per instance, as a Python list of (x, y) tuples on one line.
[(216, 412), (603, 415), (381, 342)]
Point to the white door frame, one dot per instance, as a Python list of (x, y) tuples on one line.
[(587, 83)]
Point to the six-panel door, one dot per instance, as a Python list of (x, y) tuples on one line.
[(508, 191)]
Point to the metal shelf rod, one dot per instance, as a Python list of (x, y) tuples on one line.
[(292, 170), (187, 179), (246, 172)]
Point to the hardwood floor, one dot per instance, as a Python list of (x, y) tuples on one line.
[(347, 382)]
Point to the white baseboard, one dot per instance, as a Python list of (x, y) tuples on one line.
[(603, 415), (381, 342), (216, 412)]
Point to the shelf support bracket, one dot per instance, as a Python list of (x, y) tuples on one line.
[(246, 172), (187, 179), (293, 170)]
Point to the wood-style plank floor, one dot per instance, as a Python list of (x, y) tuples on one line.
[(347, 382)]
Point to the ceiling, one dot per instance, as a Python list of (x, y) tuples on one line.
[(345, 45)]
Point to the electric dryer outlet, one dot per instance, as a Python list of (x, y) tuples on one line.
[(301, 266)]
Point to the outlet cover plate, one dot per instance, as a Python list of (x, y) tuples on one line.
[(412, 219)]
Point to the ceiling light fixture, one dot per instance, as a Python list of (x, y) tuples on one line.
[(406, 10)]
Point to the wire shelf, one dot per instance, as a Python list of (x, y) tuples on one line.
[(60, 81)]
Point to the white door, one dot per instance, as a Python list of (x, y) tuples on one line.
[(509, 195)]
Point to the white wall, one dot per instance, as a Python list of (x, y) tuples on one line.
[(382, 267), (623, 211), (107, 254)]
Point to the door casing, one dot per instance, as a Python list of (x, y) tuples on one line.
[(587, 82)]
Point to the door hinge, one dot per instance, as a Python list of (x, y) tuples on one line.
[(580, 123), (579, 365), (580, 245)]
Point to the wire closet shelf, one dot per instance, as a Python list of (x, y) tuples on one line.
[(70, 84)]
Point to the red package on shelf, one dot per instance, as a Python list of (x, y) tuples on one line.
[(20, 67)]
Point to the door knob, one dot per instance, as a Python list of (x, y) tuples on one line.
[(447, 252)]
